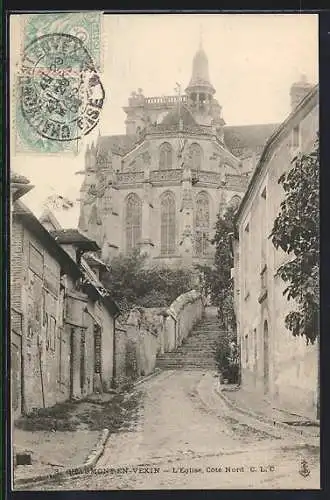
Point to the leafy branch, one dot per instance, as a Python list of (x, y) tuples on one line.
[(296, 232)]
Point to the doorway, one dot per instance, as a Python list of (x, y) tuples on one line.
[(16, 374)]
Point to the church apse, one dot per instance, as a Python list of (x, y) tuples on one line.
[(175, 144)]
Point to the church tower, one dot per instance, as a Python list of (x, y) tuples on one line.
[(200, 90), (160, 186), (200, 94)]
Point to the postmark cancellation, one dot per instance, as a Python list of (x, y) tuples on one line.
[(59, 95)]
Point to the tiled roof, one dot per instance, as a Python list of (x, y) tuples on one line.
[(94, 261), (74, 236), (117, 143), (253, 137)]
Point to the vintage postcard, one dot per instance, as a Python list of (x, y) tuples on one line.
[(164, 251)]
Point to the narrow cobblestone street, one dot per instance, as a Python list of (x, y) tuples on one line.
[(184, 436)]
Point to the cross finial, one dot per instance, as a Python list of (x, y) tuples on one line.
[(178, 88), (200, 36)]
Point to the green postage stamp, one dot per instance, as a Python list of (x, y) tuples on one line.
[(58, 92)]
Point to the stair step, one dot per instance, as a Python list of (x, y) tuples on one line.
[(197, 351), (185, 361)]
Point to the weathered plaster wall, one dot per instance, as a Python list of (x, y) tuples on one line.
[(273, 361)]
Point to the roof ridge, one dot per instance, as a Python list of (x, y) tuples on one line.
[(253, 125)]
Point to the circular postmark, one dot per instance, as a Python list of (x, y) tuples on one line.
[(61, 95)]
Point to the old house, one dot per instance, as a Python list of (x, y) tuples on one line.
[(273, 362), (62, 320)]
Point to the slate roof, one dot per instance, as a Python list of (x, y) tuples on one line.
[(95, 285), (21, 185), (74, 236), (237, 138), (117, 143), (68, 264), (173, 117), (253, 137), (18, 178), (35, 226), (304, 107)]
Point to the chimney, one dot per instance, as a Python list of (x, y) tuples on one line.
[(299, 90)]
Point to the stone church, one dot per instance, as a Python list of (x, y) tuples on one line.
[(160, 186)]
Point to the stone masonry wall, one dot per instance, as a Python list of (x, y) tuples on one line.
[(152, 331)]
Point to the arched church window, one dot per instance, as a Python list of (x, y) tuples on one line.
[(235, 201), (167, 215), (196, 155), (165, 156), (93, 223), (107, 201), (133, 221), (202, 224)]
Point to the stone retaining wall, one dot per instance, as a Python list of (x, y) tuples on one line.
[(152, 331)]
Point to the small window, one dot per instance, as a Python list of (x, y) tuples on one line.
[(264, 193), (235, 202), (263, 276), (246, 260), (36, 260), (50, 332), (97, 348), (296, 137), (246, 349)]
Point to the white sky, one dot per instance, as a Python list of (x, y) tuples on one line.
[(253, 60)]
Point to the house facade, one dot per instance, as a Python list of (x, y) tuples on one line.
[(62, 321), (273, 361), (160, 186)]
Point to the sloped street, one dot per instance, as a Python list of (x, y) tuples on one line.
[(184, 436)]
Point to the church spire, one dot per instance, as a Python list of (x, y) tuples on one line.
[(200, 78)]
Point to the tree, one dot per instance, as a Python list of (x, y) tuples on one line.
[(132, 283), (218, 280), (218, 283), (296, 232)]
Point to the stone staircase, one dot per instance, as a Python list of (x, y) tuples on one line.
[(197, 352)]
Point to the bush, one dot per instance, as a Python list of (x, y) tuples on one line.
[(216, 279), (132, 283), (227, 359)]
